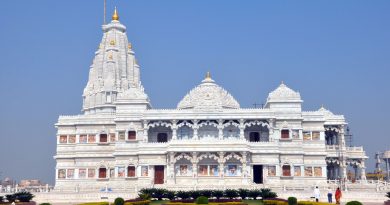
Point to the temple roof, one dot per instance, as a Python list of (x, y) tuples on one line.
[(208, 95), (283, 93)]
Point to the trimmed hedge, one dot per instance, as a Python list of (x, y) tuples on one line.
[(354, 203), (202, 200), (119, 201), (292, 201)]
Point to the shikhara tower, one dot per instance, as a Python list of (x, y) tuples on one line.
[(208, 141)]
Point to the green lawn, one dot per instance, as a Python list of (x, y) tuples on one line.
[(249, 202)]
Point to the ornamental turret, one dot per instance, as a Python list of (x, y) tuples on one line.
[(114, 72)]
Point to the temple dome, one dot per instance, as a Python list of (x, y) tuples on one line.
[(283, 93), (208, 95)]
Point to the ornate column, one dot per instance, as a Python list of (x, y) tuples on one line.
[(220, 129), (194, 162), (171, 170), (146, 130), (174, 129), (363, 171), (244, 168), (242, 129), (196, 127), (221, 162), (271, 129)]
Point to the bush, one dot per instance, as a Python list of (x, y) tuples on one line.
[(10, 197), (206, 193), (144, 196), (354, 203), (202, 200), (218, 194), (159, 194), (292, 201), (267, 194), (243, 193), (119, 201), (230, 193), (183, 195), (194, 194), (254, 194), (169, 195)]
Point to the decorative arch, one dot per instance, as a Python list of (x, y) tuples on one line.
[(185, 123), (231, 123), (183, 156), (160, 124), (257, 122), (208, 122), (233, 156), (208, 156)]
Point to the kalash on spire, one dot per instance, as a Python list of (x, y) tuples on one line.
[(114, 75)]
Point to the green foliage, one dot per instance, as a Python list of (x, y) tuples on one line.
[(194, 194), (183, 195), (217, 194), (144, 196), (119, 201), (146, 202), (202, 200), (254, 194), (10, 197), (292, 201), (96, 203), (267, 194), (243, 193), (206, 193), (159, 194), (354, 203), (230, 193), (169, 195)]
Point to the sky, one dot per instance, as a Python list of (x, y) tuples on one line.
[(335, 53)]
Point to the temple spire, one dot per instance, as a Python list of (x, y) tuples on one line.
[(208, 76), (115, 16)]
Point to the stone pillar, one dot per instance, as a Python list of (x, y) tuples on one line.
[(171, 169), (174, 130), (271, 129), (244, 168), (242, 129), (194, 162), (363, 171), (196, 127), (220, 129), (221, 162), (146, 130)]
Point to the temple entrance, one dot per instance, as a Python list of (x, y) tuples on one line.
[(158, 174), (258, 174)]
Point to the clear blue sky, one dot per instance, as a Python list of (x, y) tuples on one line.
[(336, 53)]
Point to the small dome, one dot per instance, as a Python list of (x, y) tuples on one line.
[(283, 93), (325, 111), (208, 95)]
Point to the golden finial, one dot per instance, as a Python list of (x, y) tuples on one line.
[(282, 82), (110, 57), (115, 16), (112, 42), (129, 46), (208, 76)]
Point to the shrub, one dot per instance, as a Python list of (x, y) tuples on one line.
[(119, 201), (183, 194), (194, 194), (230, 193), (206, 193), (144, 196), (354, 203), (10, 197), (254, 194), (243, 193), (159, 194), (218, 194), (202, 200), (169, 195), (292, 201), (267, 194)]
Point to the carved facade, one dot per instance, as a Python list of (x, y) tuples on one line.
[(120, 142)]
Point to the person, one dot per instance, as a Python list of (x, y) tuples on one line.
[(330, 195), (317, 194), (338, 195)]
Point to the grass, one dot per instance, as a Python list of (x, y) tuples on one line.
[(249, 202)]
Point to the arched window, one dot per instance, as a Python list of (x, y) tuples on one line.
[(131, 171), (162, 137), (102, 173), (103, 138), (286, 170), (254, 137)]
